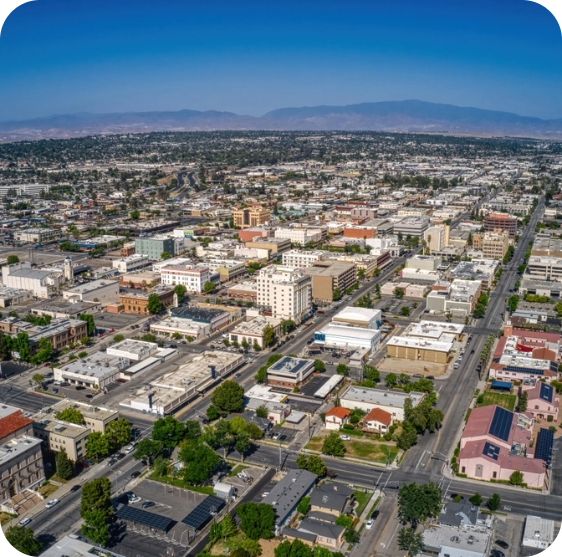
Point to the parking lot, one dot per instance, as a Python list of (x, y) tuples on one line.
[(509, 529)]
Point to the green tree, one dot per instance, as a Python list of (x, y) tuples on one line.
[(154, 305), (407, 437), (118, 433), (516, 478), (316, 465), (243, 444), (165, 255), (12, 259), (409, 541), (371, 373), (89, 319), (523, 401), (97, 445), (96, 527), (337, 294), (513, 302), (38, 378), (209, 287), (494, 502), (135, 215), (287, 326), (418, 502), (476, 499), (71, 415), (23, 539), (261, 411), (405, 311), (96, 496), (261, 375), (268, 336), (118, 338), (147, 449), (304, 505), (65, 467), (256, 520), (302, 461), (168, 431), (319, 366), (351, 536), (398, 293), (199, 461), (342, 369), (391, 380), (4, 347), (333, 444), (192, 430), (213, 412), (228, 397), (344, 520)]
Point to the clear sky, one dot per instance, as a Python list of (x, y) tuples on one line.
[(251, 56)]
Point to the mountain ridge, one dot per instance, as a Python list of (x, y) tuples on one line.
[(413, 116)]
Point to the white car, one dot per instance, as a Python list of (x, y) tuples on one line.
[(369, 523), (52, 503), (345, 437), (24, 522), (129, 449), (265, 494), (135, 499)]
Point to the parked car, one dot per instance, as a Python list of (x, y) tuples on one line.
[(24, 522), (129, 449), (345, 437), (417, 375), (502, 544), (147, 504), (75, 488), (52, 503), (432, 377), (369, 523), (282, 437), (497, 553), (265, 494)]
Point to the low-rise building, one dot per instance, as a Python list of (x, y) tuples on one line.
[(290, 372), (155, 246), (13, 296), (364, 318), (545, 267), (193, 277), (58, 435), (483, 270), (329, 276), (215, 318), (458, 299), (140, 279), (301, 258), (251, 331), (131, 263), (42, 284), (96, 371), (136, 301), (134, 350), (392, 402), (276, 246), (245, 291), (377, 420), (104, 291), (538, 532), (96, 418), (446, 540), (412, 226), (335, 335), (250, 217), (337, 417), (37, 235)]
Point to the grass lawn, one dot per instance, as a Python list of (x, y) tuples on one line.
[(315, 444), (501, 399), (377, 452), (47, 490), (205, 489), (237, 470), (6, 517), (352, 432), (362, 498)]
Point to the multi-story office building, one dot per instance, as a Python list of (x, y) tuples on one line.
[(327, 276), (495, 245), (301, 236), (545, 267), (274, 245), (155, 246), (501, 222), (131, 263), (285, 291), (37, 235), (193, 277), (251, 216), (300, 258), (435, 238), (411, 226)]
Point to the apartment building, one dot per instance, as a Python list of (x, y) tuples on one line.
[(58, 435), (21, 459), (494, 245), (327, 276), (250, 217), (285, 291), (193, 277), (502, 222)]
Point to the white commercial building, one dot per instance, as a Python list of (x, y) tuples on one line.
[(37, 235), (448, 541), (20, 276), (389, 401), (359, 317), (435, 238), (131, 263), (411, 226), (335, 335), (286, 291), (104, 291), (299, 236), (424, 262), (252, 331), (545, 267), (158, 265), (193, 277), (459, 298), (300, 258), (538, 533), (184, 327), (95, 371), (134, 350)]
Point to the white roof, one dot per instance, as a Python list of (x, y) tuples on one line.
[(262, 392), (380, 397), (538, 532), (357, 314), (421, 343), (350, 332), (327, 388)]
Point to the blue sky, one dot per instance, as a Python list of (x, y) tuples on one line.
[(248, 57)]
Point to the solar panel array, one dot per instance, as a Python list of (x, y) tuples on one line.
[(525, 370), (203, 512), (501, 423), (289, 364), (491, 450), (145, 518), (546, 392), (545, 441)]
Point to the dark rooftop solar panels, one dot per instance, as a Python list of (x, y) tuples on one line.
[(145, 518), (491, 450), (501, 423), (545, 441), (203, 512), (546, 392), (288, 364)]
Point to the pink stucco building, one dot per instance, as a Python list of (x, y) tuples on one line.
[(495, 443), (541, 401)]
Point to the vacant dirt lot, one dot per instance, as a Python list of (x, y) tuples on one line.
[(400, 365)]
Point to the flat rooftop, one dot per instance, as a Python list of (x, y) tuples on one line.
[(263, 392), (357, 314), (17, 446), (433, 329), (97, 365), (461, 540), (382, 398), (289, 365), (337, 329), (48, 423), (421, 343), (93, 285), (138, 347), (256, 325)]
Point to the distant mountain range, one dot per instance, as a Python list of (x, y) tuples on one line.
[(392, 116)]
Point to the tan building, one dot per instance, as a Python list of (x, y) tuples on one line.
[(329, 275), (59, 435), (502, 222), (250, 217), (435, 238), (495, 245), (137, 301), (95, 417), (274, 245)]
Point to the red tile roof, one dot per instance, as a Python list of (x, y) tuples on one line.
[(379, 415), (13, 423), (339, 412)]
